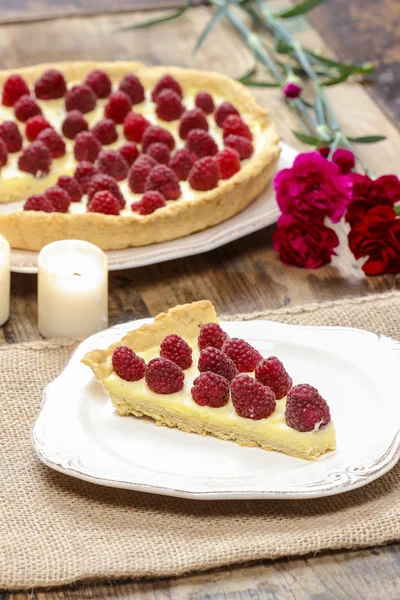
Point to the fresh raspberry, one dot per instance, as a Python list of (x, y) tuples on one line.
[(212, 359), (102, 182), (210, 389), (111, 162), (35, 158), (242, 145), (105, 131), (104, 202), (73, 124), (139, 172), (59, 198), (80, 97), (11, 136), (118, 106), (38, 202), (181, 163), (211, 334), (130, 152), (84, 171), (50, 85), (233, 125), (169, 106), (127, 364), (204, 101), (162, 179), (228, 161), (192, 119), (223, 111), (176, 349), (160, 152), (201, 143), (306, 410), (71, 186), (134, 127), (14, 88), (272, 373), (53, 141), (3, 153), (87, 147), (149, 202), (166, 82), (34, 126), (251, 399), (26, 107), (164, 376), (99, 82), (132, 87), (204, 175), (245, 357), (154, 134)]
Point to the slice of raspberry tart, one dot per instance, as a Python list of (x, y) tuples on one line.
[(184, 371)]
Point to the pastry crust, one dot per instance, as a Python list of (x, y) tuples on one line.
[(32, 230)]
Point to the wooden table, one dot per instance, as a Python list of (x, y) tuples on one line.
[(245, 275)]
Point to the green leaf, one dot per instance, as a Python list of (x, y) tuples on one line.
[(344, 74), (397, 209), (299, 9), (282, 47), (158, 20), (261, 84), (248, 74), (367, 139), (363, 69), (307, 139), (220, 14)]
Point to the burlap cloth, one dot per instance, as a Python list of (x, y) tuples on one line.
[(55, 529)]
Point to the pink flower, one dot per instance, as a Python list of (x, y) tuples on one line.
[(384, 191), (313, 188), (292, 89), (345, 159)]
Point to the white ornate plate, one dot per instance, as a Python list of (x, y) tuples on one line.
[(78, 433), (261, 213)]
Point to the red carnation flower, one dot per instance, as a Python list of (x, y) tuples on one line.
[(368, 193)]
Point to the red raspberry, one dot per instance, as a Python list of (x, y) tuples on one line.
[(139, 172), (162, 179), (132, 87), (59, 199), (14, 88), (73, 124), (53, 141), (149, 202), (204, 175), (233, 125), (166, 82), (11, 136), (102, 182), (80, 97), (154, 134), (38, 202), (306, 410), (223, 111), (251, 399), (3, 153), (169, 106), (210, 389), (163, 376), (272, 373), (83, 174), (245, 357), (105, 131), (134, 127), (181, 163), (34, 126), (242, 145), (111, 162), (71, 186), (228, 161), (118, 106), (176, 349), (26, 107), (104, 202), (130, 152), (192, 119), (211, 334), (87, 147), (205, 102), (212, 359), (160, 152), (35, 158), (99, 82), (201, 143), (128, 365), (51, 85)]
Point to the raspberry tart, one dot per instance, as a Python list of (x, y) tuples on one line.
[(184, 371)]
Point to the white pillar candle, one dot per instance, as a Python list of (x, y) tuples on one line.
[(4, 280), (72, 289)]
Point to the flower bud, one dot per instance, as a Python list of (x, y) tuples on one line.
[(292, 88), (344, 159)]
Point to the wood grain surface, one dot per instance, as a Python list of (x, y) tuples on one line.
[(243, 276)]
